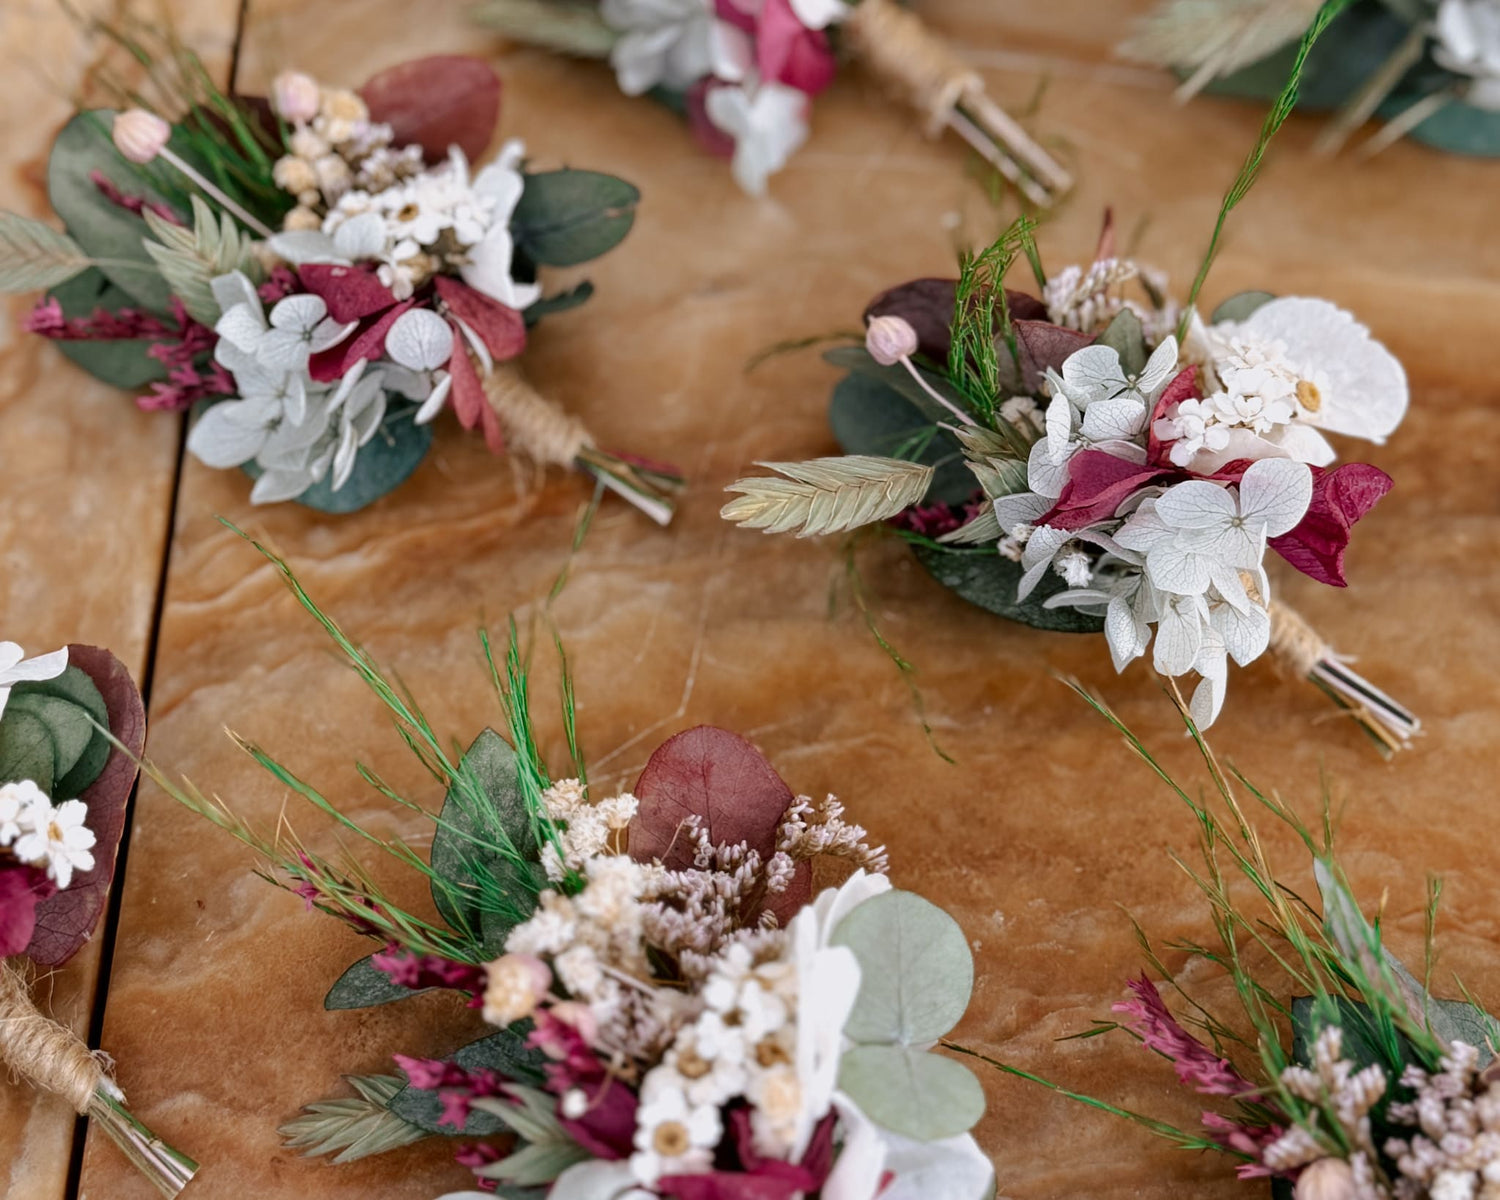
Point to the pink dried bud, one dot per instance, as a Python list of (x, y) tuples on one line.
[(890, 339), (140, 136), (580, 1017), (515, 985), (1327, 1179), (295, 96)]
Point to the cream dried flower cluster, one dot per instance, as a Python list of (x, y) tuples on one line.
[(37, 833)]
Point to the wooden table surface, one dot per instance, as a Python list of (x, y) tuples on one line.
[(1037, 835)]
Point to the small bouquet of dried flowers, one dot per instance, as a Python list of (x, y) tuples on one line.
[(744, 72), (1098, 458), (677, 1011), (71, 727), (1340, 1077), (321, 273)]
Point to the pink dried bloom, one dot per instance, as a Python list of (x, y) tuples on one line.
[(934, 520), (132, 204), (417, 971), (457, 1087), (1197, 1065), (278, 285)]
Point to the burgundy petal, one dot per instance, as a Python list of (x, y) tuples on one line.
[(367, 343), (727, 1185), (65, 921), (705, 132), (1340, 498), (1045, 345), (437, 102), (1184, 386), (1098, 483), (789, 52), (502, 329), (468, 398), (607, 1128), (22, 888), (351, 293)]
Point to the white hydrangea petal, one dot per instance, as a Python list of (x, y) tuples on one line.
[(231, 432), (234, 289), (1179, 637), (1142, 532), (1196, 504), (360, 237), (283, 351), (1121, 419), (1174, 567), (275, 486), (1043, 476), (1276, 492), (1159, 368), (1246, 634), (367, 421), (300, 312), (1227, 583), (1207, 701), (1059, 425), (420, 340), (435, 399), (242, 327), (343, 457), (1301, 442), (1094, 371), (1123, 633), (294, 400), (819, 14), (329, 333), (1233, 544), (307, 246)]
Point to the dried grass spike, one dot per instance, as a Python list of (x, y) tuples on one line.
[(827, 495)]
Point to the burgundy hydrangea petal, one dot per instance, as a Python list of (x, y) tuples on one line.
[(735, 14), (726, 1185), (1184, 386), (708, 135), (1098, 483), (789, 52), (501, 328), (468, 398), (1340, 498), (607, 1127), (22, 888), (436, 102), (351, 293), (368, 343)]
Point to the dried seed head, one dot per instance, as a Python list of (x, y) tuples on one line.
[(140, 136), (890, 339), (1327, 1179), (295, 96)]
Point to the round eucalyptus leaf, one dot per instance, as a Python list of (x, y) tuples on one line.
[(67, 724), (912, 1093), (26, 750), (1461, 129), (119, 363), (568, 217), (991, 582), (1239, 306), (868, 416), (916, 972)]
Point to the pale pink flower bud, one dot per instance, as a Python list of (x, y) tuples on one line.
[(1327, 1179), (139, 135), (515, 985), (579, 1016), (295, 96), (890, 339)]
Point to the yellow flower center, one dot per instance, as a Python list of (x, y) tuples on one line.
[(671, 1140), (1308, 395)]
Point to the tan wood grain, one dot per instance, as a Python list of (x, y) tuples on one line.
[(1041, 828)]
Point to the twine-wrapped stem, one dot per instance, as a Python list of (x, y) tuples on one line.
[(922, 70), (547, 434), (52, 1057), (1298, 646)]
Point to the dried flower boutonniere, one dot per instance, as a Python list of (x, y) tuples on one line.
[(1338, 1075), (322, 273), (678, 1011), (745, 72), (1097, 458), (1429, 68), (71, 726)]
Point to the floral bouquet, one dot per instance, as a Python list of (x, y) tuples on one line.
[(676, 1011), (71, 727), (322, 274), (1339, 1077), (744, 72), (1097, 458), (1430, 68)]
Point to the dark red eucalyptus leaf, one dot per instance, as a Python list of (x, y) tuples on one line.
[(1098, 483), (502, 329), (368, 343), (1340, 498), (1184, 386), (22, 888), (928, 304), (351, 293), (437, 102), (468, 398), (65, 921), (1045, 345), (716, 776)]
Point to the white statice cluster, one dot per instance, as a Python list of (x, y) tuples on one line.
[(333, 148), (585, 828), (38, 833), (1467, 42), (1456, 1153), (1087, 299), (294, 430), (675, 44), (1184, 560), (442, 221)]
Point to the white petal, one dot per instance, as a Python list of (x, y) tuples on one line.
[(1122, 632), (235, 289), (1020, 508), (592, 1180), (274, 486), (1197, 504), (360, 237), (1043, 476), (1179, 637), (952, 1167), (819, 14), (1143, 531), (435, 399), (231, 432), (283, 351), (861, 1163), (1276, 493), (307, 246), (15, 669), (1059, 426), (1176, 568), (1207, 701), (1301, 442), (330, 333), (1226, 581), (489, 271), (366, 422), (1246, 634), (1159, 368), (420, 339), (300, 312), (1122, 418), (1095, 371), (294, 401), (343, 457), (1239, 544), (242, 327)]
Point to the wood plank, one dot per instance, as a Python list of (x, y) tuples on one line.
[(86, 492), (1041, 827)]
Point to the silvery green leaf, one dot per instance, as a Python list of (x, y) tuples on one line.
[(912, 1093), (1125, 335), (364, 986), (34, 256), (916, 972), (191, 259), (983, 528), (1239, 306), (563, 26), (532, 1114), (354, 1126), (538, 1162)]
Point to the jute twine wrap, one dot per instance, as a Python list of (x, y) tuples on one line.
[(1294, 641), (41, 1051), (538, 427), (910, 60)]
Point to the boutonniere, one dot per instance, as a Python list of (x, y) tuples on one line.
[(744, 72), (322, 274), (71, 727), (1335, 1073), (1429, 68), (681, 1002), (1096, 457)]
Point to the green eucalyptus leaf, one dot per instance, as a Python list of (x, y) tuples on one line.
[(870, 417), (536, 1163), (1461, 128), (1363, 1042), (504, 1052), (1239, 306), (916, 972), (899, 379), (991, 581), (383, 464), (911, 1093), (68, 726), (119, 363), (1127, 338), (26, 750), (558, 302), (78, 692), (363, 985), (568, 217)]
